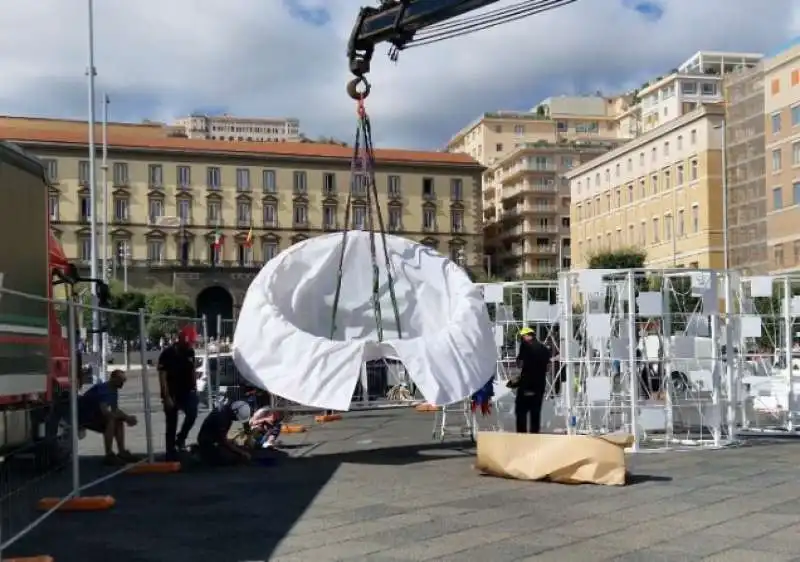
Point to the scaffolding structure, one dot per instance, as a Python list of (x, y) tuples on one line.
[(745, 155)]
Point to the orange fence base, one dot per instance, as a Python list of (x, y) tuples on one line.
[(82, 503), (155, 468), (427, 408), (328, 418), (31, 559), (292, 428)]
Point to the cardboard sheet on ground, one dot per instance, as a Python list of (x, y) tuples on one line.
[(566, 459)]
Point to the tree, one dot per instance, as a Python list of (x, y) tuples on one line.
[(122, 325), (624, 258), (166, 313)]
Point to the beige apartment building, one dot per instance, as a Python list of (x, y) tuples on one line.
[(525, 198), (232, 128), (661, 192), (782, 122), (170, 199)]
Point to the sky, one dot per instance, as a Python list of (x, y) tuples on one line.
[(161, 59)]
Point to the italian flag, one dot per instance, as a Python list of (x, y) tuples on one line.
[(248, 242), (217, 239)]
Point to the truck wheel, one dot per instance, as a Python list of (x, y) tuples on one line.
[(54, 438)]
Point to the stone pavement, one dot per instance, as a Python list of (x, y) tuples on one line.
[(375, 488)]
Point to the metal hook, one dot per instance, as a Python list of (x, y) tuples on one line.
[(353, 88)]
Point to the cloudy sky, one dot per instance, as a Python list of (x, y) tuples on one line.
[(161, 59)]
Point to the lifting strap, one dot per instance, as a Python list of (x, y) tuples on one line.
[(362, 182)]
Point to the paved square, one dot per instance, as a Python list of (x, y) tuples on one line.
[(374, 487)]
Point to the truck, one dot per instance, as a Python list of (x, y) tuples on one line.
[(35, 358)]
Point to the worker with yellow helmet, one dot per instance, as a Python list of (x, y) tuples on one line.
[(533, 360)]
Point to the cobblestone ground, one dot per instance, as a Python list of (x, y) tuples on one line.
[(374, 487)]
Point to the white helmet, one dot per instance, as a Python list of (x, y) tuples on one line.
[(241, 410)]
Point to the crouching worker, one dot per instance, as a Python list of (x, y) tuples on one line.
[(265, 428), (213, 446), (98, 411)]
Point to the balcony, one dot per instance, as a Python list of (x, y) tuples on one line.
[(519, 170), (541, 249), (195, 264), (539, 209), (541, 229)]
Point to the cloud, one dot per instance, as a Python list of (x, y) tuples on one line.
[(161, 60)]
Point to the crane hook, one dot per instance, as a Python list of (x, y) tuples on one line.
[(358, 88)]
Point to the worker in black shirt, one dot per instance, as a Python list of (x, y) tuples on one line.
[(213, 445), (178, 381), (533, 360)]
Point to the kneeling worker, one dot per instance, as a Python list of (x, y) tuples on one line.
[(98, 411), (213, 444)]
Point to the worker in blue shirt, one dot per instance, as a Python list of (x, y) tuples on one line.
[(98, 411)]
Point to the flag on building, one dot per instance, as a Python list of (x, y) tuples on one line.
[(217, 239), (248, 242)]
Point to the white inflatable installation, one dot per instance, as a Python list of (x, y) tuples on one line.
[(284, 342)]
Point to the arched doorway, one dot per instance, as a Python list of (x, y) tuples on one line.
[(216, 302)]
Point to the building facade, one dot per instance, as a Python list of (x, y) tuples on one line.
[(238, 129), (746, 171), (661, 192), (198, 216), (782, 123)]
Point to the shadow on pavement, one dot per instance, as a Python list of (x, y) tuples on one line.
[(204, 514)]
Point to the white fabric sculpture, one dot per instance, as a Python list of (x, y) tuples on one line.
[(283, 337)]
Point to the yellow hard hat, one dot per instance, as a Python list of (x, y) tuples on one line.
[(525, 331)]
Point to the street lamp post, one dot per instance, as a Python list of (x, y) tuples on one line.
[(91, 73), (105, 245)]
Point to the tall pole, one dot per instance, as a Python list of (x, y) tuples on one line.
[(725, 240), (91, 73), (730, 356), (104, 182)]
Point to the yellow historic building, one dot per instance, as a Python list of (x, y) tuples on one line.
[(201, 216), (661, 192)]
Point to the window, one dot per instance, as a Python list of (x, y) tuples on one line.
[(214, 253), (776, 123), (457, 221), (359, 217), (121, 209), (693, 137), (270, 215), (428, 191), (641, 159), (796, 193), (689, 88), (680, 179), (656, 231), (242, 179), (775, 86), (795, 77), (121, 251), (630, 193), (428, 219), (53, 208), (155, 251), (654, 154), (83, 172), (796, 154), (155, 210), (498, 147), (269, 250), (680, 142), (299, 183), (243, 214), (695, 219), (395, 218), (642, 233), (668, 227), (184, 176), (244, 255), (184, 250), (51, 169), (667, 179), (456, 189), (796, 115), (86, 249), (630, 164), (300, 215), (681, 229), (329, 217), (120, 173), (185, 210), (213, 177), (155, 175), (654, 182), (617, 198), (567, 162), (214, 212), (359, 186), (796, 248), (778, 255), (693, 170), (777, 198), (776, 160), (329, 183), (268, 184), (642, 189), (709, 89), (393, 185), (617, 170), (519, 129), (666, 148)]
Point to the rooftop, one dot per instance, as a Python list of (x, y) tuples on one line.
[(119, 138)]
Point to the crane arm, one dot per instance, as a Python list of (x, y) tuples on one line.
[(396, 22)]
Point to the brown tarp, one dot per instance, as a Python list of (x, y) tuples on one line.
[(567, 459)]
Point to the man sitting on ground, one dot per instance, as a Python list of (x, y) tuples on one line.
[(98, 411), (265, 427), (213, 445)]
